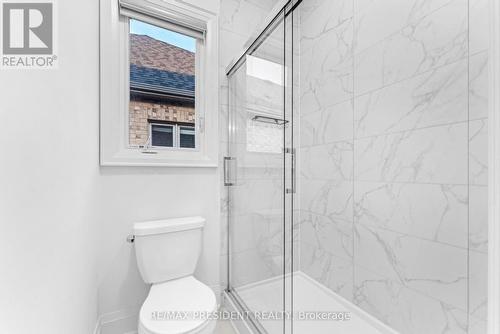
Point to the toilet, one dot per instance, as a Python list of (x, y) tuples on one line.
[(167, 253)]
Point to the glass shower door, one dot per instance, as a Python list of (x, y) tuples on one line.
[(258, 253)]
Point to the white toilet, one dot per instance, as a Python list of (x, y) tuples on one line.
[(167, 252)]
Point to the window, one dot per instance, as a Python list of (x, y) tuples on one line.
[(172, 135), (159, 91), (162, 135), (186, 137), (162, 86)]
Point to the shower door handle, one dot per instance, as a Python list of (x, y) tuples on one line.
[(228, 175), (293, 158)]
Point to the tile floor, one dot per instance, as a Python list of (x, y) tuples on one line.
[(224, 327)]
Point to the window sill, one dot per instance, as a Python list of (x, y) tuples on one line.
[(193, 164)]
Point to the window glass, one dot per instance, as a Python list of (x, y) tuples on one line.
[(162, 86), (186, 137), (162, 135)]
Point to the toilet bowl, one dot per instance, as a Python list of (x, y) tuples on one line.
[(167, 253)]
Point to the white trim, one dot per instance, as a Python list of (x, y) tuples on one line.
[(114, 148), (169, 15), (494, 171)]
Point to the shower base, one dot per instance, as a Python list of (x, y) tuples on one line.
[(308, 296)]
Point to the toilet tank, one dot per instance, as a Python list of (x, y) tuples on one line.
[(168, 249)]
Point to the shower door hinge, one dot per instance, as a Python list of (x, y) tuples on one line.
[(229, 178)]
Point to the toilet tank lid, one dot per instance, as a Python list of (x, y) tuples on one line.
[(168, 225)]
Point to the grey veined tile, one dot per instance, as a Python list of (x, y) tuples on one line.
[(478, 86), (435, 97), (431, 155), (404, 309), (478, 152), (478, 286), (436, 212), (435, 40), (334, 272), (328, 234), (478, 218), (432, 268)]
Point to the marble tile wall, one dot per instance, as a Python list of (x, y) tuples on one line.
[(393, 158), (326, 150)]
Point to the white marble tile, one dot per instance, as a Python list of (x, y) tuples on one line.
[(241, 16), (478, 86), (431, 211), (256, 196), (478, 218), (330, 235), (403, 309), (478, 25), (334, 123), (437, 39), (251, 267), (376, 20), (331, 198), (431, 155), (329, 87), (478, 286), (477, 326), (256, 165), (326, 65), (327, 162), (325, 49), (318, 17), (230, 45), (325, 42), (434, 98), (435, 269), (478, 152), (263, 232), (334, 272)]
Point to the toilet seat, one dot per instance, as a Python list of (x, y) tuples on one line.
[(181, 295)]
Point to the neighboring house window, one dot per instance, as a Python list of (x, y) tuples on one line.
[(162, 135), (159, 91), (162, 86), (172, 135)]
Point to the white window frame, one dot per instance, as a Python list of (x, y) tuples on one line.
[(115, 93)]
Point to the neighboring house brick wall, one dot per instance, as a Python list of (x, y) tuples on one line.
[(148, 52), (142, 112)]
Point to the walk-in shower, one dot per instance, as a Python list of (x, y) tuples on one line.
[(357, 168)]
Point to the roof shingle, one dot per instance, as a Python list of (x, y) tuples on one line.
[(161, 67)]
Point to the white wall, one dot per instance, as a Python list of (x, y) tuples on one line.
[(48, 178), (63, 256)]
